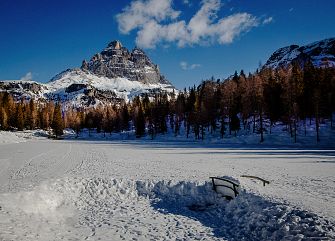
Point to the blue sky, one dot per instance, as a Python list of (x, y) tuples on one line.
[(190, 40)]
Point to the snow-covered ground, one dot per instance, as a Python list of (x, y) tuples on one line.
[(78, 189)]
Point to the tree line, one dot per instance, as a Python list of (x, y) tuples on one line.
[(30, 115), (287, 95)]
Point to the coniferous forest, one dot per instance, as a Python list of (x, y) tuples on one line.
[(244, 101)]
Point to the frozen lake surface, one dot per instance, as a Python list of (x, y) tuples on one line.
[(132, 190)]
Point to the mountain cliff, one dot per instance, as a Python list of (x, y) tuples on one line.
[(117, 61)]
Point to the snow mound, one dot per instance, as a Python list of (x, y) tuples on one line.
[(142, 209), (44, 200), (7, 137)]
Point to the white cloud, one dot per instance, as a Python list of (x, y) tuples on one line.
[(193, 66), (28, 76), (187, 2), (157, 22), (140, 12), (268, 20), (185, 66)]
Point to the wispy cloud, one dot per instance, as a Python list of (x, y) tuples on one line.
[(291, 9), (185, 66), (28, 76), (268, 20), (156, 21), (187, 2)]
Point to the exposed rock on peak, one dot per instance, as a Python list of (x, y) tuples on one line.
[(117, 61), (116, 44)]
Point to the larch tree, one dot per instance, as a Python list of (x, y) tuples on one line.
[(19, 117)]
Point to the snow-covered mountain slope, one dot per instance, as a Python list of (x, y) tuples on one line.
[(320, 53), (113, 75), (77, 85)]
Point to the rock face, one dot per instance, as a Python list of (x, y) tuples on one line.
[(321, 54), (117, 61)]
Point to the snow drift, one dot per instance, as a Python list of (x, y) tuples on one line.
[(99, 204)]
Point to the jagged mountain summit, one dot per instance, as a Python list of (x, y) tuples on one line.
[(320, 53), (114, 75), (116, 61)]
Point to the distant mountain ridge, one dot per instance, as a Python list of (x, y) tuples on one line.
[(113, 75), (320, 54)]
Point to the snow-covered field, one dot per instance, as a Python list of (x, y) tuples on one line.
[(155, 190)]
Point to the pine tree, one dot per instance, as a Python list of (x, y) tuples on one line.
[(223, 127), (272, 98), (140, 122), (57, 122), (235, 123), (125, 118)]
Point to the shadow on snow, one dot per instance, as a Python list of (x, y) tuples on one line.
[(247, 217)]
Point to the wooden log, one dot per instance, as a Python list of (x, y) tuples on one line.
[(258, 178)]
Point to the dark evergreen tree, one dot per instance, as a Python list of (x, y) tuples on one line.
[(235, 123), (140, 122), (57, 122)]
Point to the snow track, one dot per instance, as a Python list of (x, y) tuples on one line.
[(66, 190)]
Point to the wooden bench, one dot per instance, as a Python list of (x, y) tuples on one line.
[(227, 188)]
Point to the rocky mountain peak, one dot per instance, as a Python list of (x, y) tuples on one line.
[(116, 44), (117, 61)]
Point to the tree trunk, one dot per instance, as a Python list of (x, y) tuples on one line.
[(261, 125), (295, 131), (254, 126), (291, 129), (317, 124), (222, 127), (305, 127), (202, 132), (229, 125)]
